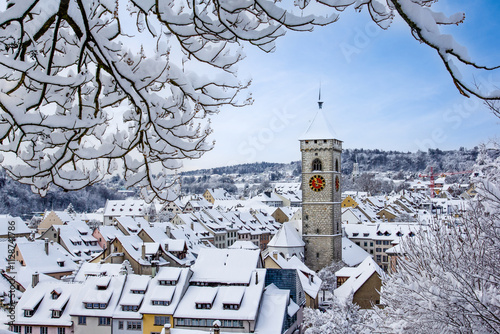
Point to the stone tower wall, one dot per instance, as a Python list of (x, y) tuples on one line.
[(321, 211)]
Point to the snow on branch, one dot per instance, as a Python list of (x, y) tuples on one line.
[(89, 88)]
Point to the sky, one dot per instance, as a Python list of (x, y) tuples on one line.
[(381, 89)]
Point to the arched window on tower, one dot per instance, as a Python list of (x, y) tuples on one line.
[(336, 165), (316, 165)]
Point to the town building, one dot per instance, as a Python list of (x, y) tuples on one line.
[(321, 193)]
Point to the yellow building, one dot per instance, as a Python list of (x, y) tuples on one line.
[(349, 202), (162, 297)]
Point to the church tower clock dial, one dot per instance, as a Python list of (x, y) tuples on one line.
[(321, 193)]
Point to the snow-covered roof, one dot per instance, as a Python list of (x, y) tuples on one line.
[(357, 277), (311, 283), (230, 266), (171, 294), (274, 307), (57, 260), (352, 254), (248, 308), (110, 232), (286, 237), (243, 244), (19, 225), (319, 128), (220, 194), (94, 290), (40, 300), (132, 295), (97, 269), (128, 207)]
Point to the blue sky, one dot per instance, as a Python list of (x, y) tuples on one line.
[(381, 89)]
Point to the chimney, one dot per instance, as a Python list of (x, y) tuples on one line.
[(35, 278), (217, 325), (59, 235), (47, 246), (143, 251), (166, 329), (169, 232), (275, 255)]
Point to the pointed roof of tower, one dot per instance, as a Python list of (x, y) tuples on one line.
[(319, 128)]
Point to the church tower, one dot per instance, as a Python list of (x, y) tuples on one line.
[(321, 193)]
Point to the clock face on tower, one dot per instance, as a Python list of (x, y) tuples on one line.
[(317, 183)]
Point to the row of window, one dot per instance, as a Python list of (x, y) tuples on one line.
[(29, 330), (130, 308), (208, 323), (167, 282), (103, 321), (160, 302), (94, 305), (381, 258)]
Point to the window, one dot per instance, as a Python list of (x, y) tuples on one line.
[(378, 250), (28, 313), (134, 325), (384, 258), (44, 330), (133, 308), (387, 242), (120, 324), (104, 321), (316, 164), (28, 330), (379, 257), (56, 314), (161, 320), (82, 320), (317, 255), (16, 329), (336, 165), (138, 292), (378, 242), (161, 302), (366, 244), (61, 330)]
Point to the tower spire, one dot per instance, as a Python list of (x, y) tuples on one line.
[(320, 103)]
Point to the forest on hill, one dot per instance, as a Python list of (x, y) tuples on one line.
[(246, 179)]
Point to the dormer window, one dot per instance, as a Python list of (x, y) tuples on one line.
[(60, 263), (55, 294), (130, 308), (160, 302), (56, 313), (231, 306), (138, 292), (167, 282), (28, 313), (203, 306)]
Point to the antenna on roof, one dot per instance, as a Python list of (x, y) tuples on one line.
[(320, 103)]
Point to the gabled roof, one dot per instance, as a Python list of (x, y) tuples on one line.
[(286, 237), (35, 257), (357, 277), (19, 225), (352, 254), (41, 296), (319, 128), (229, 266)]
